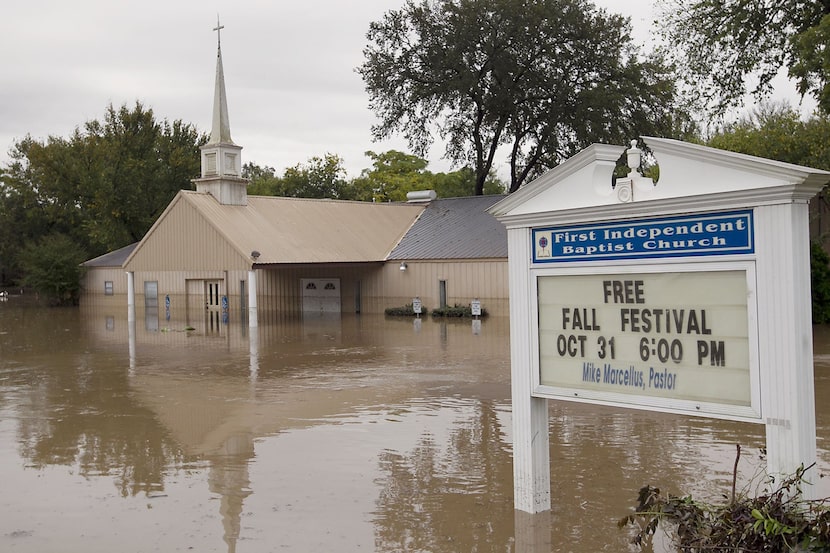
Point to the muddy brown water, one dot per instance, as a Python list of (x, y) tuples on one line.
[(362, 433)]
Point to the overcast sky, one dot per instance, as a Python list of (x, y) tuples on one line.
[(289, 70)]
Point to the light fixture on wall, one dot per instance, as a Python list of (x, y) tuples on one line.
[(403, 265), (254, 255)]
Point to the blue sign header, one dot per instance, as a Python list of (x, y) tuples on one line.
[(727, 233)]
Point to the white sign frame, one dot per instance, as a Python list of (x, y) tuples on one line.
[(694, 179), (752, 413)]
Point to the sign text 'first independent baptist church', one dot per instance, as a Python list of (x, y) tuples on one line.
[(690, 295), (637, 335)]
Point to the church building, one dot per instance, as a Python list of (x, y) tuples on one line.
[(219, 253)]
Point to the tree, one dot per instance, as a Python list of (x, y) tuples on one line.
[(776, 131), (263, 180), (463, 183), (319, 177), (540, 78), (52, 266), (723, 45), (102, 187), (394, 174)]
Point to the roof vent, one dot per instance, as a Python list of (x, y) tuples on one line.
[(421, 196)]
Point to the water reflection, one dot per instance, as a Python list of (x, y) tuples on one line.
[(449, 494), (318, 434)]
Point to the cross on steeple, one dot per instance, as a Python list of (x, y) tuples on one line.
[(218, 30)]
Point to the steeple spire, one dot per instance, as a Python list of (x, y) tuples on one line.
[(220, 132), (221, 158)]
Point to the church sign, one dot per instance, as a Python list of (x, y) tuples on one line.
[(688, 295)]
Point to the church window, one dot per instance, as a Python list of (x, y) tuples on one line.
[(230, 164), (210, 163)]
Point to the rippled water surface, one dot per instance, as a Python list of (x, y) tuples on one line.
[(362, 433)]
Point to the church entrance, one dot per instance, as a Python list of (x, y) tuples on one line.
[(205, 307), (321, 295)]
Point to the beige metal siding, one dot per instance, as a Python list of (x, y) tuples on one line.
[(278, 288), (466, 280), (92, 283), (196, 239), (183, 240)]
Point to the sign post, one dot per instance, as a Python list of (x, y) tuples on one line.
[(689, 295)]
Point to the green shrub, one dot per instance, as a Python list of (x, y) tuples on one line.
[(405, 311), (456, 311)]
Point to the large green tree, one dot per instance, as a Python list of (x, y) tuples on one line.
[(102, 187), (537, 79), (729, 48), (393, 174)]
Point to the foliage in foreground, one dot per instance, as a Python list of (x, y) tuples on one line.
[(778, 521)]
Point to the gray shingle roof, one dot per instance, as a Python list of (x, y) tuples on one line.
[(455, 228), (112, 259)]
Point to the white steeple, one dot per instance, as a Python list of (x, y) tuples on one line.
[(220, 132), (221, 158)]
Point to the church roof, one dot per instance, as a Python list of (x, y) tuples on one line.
[(308, 231), (300, 231), (455, 228), (114, 258)]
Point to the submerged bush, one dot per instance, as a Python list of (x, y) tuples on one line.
[(456, 311), (405, 311)]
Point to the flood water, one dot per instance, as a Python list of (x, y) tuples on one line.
[(362, 433)]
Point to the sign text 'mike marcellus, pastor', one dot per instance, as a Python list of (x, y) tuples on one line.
[(688, 235)]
